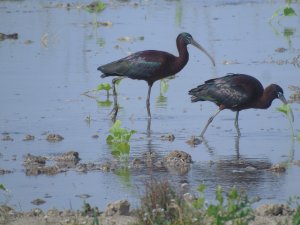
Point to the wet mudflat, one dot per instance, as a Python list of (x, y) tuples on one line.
[(54, 60)]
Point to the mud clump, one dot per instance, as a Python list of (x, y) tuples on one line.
[(13, 36), (36, 165), (295, 97), (87, 167), (178, 160), (4, 171), (38, 201), (47, 170), (120, 207), (167, 137), (274, 210), (28, 137), (68, 159), (34, 160), (193, 141), (54, 138), (7, 138), (280, 50), (68, 156), (277, 168)]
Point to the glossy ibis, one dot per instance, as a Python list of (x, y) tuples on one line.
[(151, 65), (236, 92)]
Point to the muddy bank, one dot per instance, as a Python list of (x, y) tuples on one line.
[(118, 213)]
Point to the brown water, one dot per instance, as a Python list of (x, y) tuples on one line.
[(54, 60)]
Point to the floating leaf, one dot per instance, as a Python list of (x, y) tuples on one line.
[(96, 7), (289, 11), (104, 86), (2, 187)]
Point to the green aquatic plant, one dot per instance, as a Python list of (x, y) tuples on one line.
[(96, 7), (2, 187), (118, 140), (236, 208), (119, 134), (286, 110), (104, 86), (284, 11), (294, 202), (163, 205)]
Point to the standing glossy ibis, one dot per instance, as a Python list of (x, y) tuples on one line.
[(236, 92), (151, 65)]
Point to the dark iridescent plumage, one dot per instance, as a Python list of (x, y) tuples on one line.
[(236, 92), (152, 65)]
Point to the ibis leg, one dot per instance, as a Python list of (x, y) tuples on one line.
[(115, 109), (208, 122), (148, 100), (236, 123)]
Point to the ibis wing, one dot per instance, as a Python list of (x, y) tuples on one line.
[(222, 91), (135, 66)]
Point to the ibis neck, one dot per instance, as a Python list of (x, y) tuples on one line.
[(264, 102), (183, 57)]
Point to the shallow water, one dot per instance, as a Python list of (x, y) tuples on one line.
[(42, 84)]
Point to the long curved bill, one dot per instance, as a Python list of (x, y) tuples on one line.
[(282, 98), (197, 45)]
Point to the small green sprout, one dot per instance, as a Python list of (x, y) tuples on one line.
[(118, 134)]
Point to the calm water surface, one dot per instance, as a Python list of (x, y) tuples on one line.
[(44, 73)]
